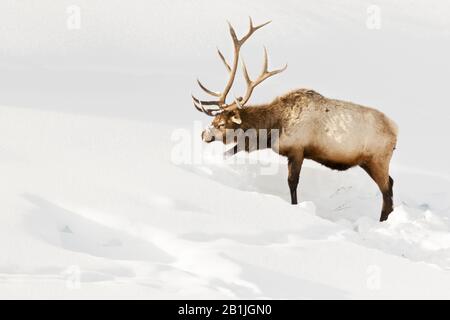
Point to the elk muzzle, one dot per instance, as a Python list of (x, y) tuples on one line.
[(209, 134)]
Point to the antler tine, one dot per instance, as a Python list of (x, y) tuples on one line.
[(239, 42), (199, 105), (266, 72), (263, 76), (252, 29), (204, 102), (223, 60), (245, 71), (233, 34), (213, 93), (208, 112), (266, 61)]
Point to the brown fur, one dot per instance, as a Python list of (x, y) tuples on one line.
[(335, 133)]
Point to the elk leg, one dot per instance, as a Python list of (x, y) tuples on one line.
[(379, 172), (387, 201), (294, 168)]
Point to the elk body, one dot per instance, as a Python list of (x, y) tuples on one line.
[(337, 134)]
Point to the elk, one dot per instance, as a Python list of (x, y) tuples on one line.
[(334, 133)]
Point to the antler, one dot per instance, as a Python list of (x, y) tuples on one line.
[(198, 104), (265, 74), (222, 96), (237, 44)]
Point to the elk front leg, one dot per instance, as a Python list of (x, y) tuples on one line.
[(294, 168)]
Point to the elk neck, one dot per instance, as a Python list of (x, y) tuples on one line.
[(264, 116)]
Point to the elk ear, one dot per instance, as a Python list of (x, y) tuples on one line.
[(236, 118)]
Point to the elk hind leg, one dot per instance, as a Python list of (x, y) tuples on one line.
[(379, 172), (294, 168)]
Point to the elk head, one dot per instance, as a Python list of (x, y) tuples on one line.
[(227, 115)]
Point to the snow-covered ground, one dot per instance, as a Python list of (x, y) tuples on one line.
[(100, 201), (97, 202)]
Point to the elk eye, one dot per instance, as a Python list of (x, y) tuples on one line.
[(222, 125)]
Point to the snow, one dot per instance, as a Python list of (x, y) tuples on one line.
[(102, 197), (108, 192)]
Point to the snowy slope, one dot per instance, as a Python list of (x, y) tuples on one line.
[(97, 202), (103, 198)]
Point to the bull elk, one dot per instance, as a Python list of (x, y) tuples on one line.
[(334, 133)]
